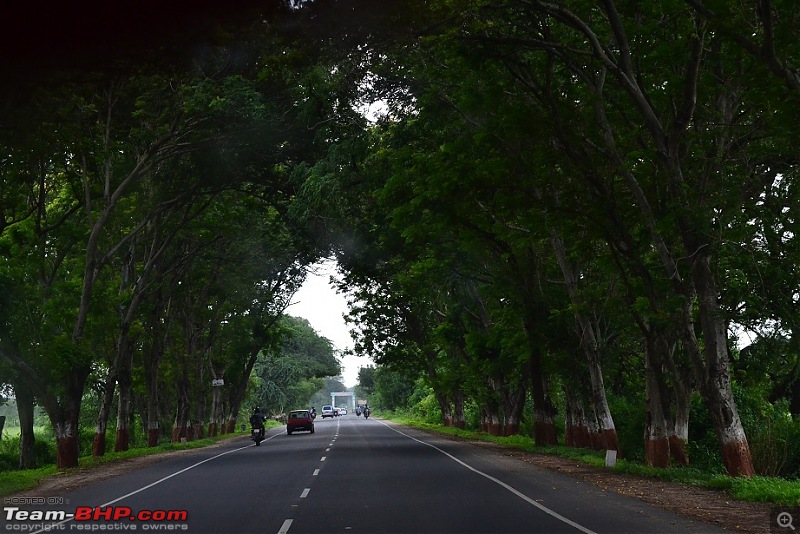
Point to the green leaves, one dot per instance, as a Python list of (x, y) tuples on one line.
[(289, 374)]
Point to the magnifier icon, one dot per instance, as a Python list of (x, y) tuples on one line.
[(785, 520)]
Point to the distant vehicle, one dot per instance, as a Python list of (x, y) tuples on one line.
[(327, 411), (342, 411), (335, 411), (299, 420)]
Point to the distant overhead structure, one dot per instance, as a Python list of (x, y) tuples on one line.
[(335, 394)]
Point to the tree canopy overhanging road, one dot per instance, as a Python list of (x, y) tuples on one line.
[(577, 211)]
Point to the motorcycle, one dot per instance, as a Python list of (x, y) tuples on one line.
[(366, 413), (257, 435)]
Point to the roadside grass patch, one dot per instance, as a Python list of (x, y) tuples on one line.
[(15, 481), (766, 489)]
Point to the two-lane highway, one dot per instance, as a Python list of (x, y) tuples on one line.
[(352, 475)]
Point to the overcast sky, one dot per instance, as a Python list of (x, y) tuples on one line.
[(318, 302)]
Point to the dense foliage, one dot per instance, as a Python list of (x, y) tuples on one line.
[(574, 220)]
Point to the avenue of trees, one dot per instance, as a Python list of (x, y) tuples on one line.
[(148, 244), (561, 193), (552, 211)]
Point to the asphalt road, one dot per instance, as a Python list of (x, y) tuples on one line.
[(351, 476)]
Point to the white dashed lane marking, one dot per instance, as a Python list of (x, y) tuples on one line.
[(288, 523)]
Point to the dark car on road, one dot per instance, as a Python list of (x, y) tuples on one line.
[(299, 420)]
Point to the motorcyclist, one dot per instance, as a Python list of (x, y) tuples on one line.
[(313, 413), (257, 420)]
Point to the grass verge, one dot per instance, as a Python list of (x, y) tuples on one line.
[(774, 490)]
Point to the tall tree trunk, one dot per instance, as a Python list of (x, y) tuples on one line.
[(180, 428), (660, 356), (590, 346), (656, 424), (459, 419), (513, 405), (200, 399), (109, 387), (596, 439), (445, 408), (122, 441), (794, 398), (682, 393), (153, 427), (152, 357), (679, 437), (25, 409), (216, 409), (600, 404), (716, 387), (577, 425), (544, 412), (66, 432), (63, 411), (494, 425), (230, 426), (124, 362)]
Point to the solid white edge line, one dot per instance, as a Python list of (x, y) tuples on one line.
[(500, 483), (157, 482), (285, 526)]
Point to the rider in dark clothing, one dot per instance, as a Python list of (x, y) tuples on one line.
[(257, 420)]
